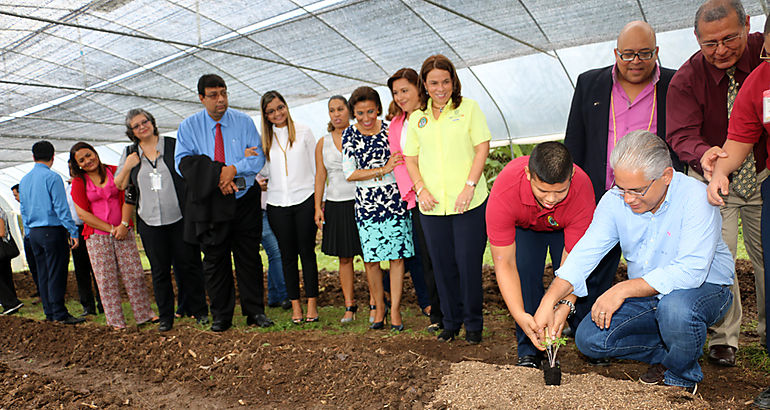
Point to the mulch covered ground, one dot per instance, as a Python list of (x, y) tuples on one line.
[(47, 365)]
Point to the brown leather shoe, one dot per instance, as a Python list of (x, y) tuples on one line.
[(654, 374), (722, 355)]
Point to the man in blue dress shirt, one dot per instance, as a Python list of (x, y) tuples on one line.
[(46, 217), (229, 139), (679, 267)]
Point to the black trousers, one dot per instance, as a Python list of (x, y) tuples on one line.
[(456, 244), (84, 276), (244, 232), (8, 296), (430, 279), (29, 254), (49, 244), (295, 229), (164, 246)]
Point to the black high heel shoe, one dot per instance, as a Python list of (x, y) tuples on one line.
[(371, 308), (399, 328), (353, 309), (380, 325)]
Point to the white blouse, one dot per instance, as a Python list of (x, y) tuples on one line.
[(292, 169), (338, 188)]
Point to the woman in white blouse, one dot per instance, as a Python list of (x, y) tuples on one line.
[(336, 217), (290, 151)]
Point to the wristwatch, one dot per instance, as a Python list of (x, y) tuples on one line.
[(568, 303), (124, 223), (470, 183)]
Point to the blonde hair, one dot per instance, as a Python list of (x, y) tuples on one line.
[(267, 126)]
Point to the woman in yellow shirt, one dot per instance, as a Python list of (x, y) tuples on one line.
[(447, 145)]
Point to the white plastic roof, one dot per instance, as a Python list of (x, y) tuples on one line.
[(72, 69)]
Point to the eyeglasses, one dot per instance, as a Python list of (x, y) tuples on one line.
[(141, 124), (729, 42), (280, 107), (763, 55), (643, 55), (215, 95), (633, 192)]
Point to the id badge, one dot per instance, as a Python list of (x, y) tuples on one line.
[(155, 181), (766, 107)]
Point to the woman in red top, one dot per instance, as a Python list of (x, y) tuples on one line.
[(109, 239)]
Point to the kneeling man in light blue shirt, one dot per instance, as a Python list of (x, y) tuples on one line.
[(679, 268)]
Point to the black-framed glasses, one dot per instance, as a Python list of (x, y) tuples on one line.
[(729, 42), (643, 55), (640, 192), (763, 55)]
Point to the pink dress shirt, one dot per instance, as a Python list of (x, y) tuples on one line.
[(630, 116)]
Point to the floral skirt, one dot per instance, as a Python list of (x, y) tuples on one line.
[(386, 239)]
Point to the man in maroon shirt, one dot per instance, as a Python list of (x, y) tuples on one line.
[(749, 120), (537, 202), (697, 115)]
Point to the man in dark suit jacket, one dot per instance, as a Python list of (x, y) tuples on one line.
[(637, 88), (589, 128)]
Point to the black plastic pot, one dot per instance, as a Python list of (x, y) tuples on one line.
[(552, 375)]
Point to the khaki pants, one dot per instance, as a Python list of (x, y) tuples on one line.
[(726, 332)]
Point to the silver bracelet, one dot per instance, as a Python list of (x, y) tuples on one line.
[(568, 303)]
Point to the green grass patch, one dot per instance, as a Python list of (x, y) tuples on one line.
[(754, 356)]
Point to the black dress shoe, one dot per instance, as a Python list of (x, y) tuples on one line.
[(473, 338), (274, 304), (286, 304), (87, 312), (165, 326), (530, 361), (202, 320), (722, 355), (260, 320), (71, 320), (447, 335), (13, 309), (221, 325), (763, 400)]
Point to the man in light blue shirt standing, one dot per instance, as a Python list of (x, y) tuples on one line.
[(679, 267), (219, 152), (46, 217)]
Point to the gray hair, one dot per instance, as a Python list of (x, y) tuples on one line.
[(641, 150), (717, 10)]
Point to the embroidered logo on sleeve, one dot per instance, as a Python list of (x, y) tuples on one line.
[(423, 121)]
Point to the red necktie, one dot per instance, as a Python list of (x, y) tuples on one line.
[(219, 145)]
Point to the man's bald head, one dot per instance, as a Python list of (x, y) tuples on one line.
[(637, 30), (637, 37)]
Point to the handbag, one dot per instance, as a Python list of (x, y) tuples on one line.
[(8, 249)]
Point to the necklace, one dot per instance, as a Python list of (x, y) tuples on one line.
[(614, 125), (285, 158)]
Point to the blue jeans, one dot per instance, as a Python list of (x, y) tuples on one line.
[(670, 331), (276, 287)]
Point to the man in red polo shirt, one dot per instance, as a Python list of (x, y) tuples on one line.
[(538, 202)]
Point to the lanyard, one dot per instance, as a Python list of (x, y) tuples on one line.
[(614, 125)]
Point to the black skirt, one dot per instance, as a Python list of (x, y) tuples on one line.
[(340, 233)]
